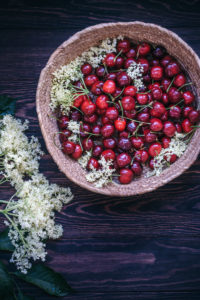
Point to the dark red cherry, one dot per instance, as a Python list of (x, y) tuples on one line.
[(107, 130), (111, 76), (159, 52), (156, 124), (193, 116), (165, 116), (156, 93), (165, 83), (155, 149), (178, 127), (145, 64), (112, 113), (141, 156), (91, 79), (119, 62), (88, 107), (174, 95), (172, 69), (143, 49), (109, 87), (186, 125), (187, 110), (131, 53), (156, 73), (123, 79), (109, 143), (158, 109), (108, 154), (128, 62), (63, 122), (142, 99), (128, 103), (75, 115), (84, 129), (165, 99), (165, 142), (137, 142), (109, 60), (96, 129), (136, 168), (131, 126), (179, 80), (169, 129), (150, 137), (123, 159), (100, 71), (68, 147), (188, 97), (126, 176), (175, 112), (87, 144), (64, 134), (96, 88), (143, 117), (124, 144), (123, 46), (77, 152), (124, 134), (130, 90), (166, 60), (86, 69), (130, 113), (91, 118), (97, 151), (92, 164), (105, 120)]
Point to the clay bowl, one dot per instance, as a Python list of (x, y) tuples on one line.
[(74, 46)]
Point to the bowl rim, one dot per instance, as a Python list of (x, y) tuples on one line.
[(125, 190)]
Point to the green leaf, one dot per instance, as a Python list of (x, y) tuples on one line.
[(7, 105), (47, 279), (6, 283), (21, 296), (5, 243)]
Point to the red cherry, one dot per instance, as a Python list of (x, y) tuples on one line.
[(108, 154), (164, 117), (137, 142), (88, 107), (64, 134), (123, 159), (124, 143), (130, 113), (112, 113), (143, 49), (87, 144), (155, 149), (193, 116), (86, 69), (178, 127), (165, 83), (150, 137), (166, 60), (68, 147), (119, 62), (109, 87), (102, 101), (111, 76), (100, 71), (174, 95), (175, 112), (145, 64), (123, 79), (92, 164), (63, 122), (156, 73), (156, 93), (120, 124), (128, 62), (84, 129), (123, 46), (96, 88), (131, 53), (188, 97), (186, 125), (142, 99), (128, 103), (91, 118), (136, 168), (97, 151), (77, 152), (172, 69), (158, 109), (143, 117), (126, 176), (151, 163), (109, 60), (171, 159), (107, 130), (179, 80), (130, 90), (109, 143), (159, 52), (169, 129), (165, 99), (90, 79), (165, 142), (105, 120), (141, 156), (124, 134), (78, 101), (187, 110), (156, 124), (96, 129), (131, 126)]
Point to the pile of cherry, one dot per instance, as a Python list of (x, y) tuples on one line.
[(122, 123)]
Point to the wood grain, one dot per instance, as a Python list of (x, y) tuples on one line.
[(143, 247)]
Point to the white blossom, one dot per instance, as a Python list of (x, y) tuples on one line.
[(135, 71)]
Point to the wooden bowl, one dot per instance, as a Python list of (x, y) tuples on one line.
[(74, 46)]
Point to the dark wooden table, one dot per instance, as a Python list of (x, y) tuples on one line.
[(143, 247)]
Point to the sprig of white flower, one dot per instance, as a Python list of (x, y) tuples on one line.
[(32, 216), (135, 71), (83, 160), (177, 146)]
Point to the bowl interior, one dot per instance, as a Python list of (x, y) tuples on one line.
[(74, 46)]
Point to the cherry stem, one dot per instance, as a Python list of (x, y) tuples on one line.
[(137, 121), (175, 104), (189, 83), (117, 55), (77, 109), (170, 85), (121, 108)]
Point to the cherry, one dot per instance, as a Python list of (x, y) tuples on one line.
[(109, 60), (166, 60), (143, 49), (155, 149), (105, 120), (63, 122), (90, 118), (78, 101), (141, 156), (109, 87), (117, 92), (169, 129), (174, 95), (130, 113), (130, 90), (119, 62), (165, 99), (156, 73), (120, 124), (97, 151), (87, 144), (150, 137), (171, 159), (96, 88), (123, 79), (75, 115), (128, 62), (90, 79), (123, 159), (86, 69), (131, 53), (136, 168), (109, 143), (137, 142), (102, 101), (124, 134), (84, 129), (108, 154), (100, 71), (111, 76), (179, 80), (172, 69), (142, 99), (143, 117), (186, 125), (128, 103), (175, 112), (156, 93), (188, 97), (64, 134), (68, 147), (88, 107), (92, 164), (126, 176), (165, 142), (156, 124), (159, 52), (146, 78), (124, 143), (123, 46), (96, 129), (178, 127), (187, 110), (158, 109), (112, 113), (165, 83), (165, 116), (193, 116), (131, 126), (107, 130), (151, 163), (77, 152)]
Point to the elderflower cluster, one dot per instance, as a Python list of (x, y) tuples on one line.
[(83, 160), (61, 91), (74, 127), (103, 175), (33, 214), (177, 146), (135, 71)]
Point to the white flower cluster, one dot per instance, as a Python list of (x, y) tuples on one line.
[(177, 146), (74, 127), (83, 160), (61, 93), (103, 175), (33, 214), (135, 71)]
